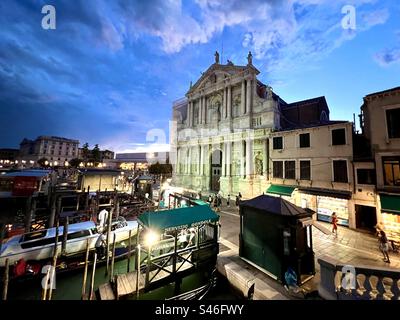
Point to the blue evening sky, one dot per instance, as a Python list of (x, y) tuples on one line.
[(111, 70)]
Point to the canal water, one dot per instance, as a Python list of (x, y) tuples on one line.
[(69, 286)]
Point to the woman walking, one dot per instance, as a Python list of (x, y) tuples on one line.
[(334, 221), (383, 244)]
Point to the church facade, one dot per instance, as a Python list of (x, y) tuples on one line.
[(223, 126)]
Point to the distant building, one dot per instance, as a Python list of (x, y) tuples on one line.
[(9, 154), (137, 160), (56, 150), (104, 155)]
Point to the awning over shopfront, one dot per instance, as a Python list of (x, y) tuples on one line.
[(281, 190), (390, 203), (327, 193)]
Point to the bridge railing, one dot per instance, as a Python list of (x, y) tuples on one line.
[(357, 282)]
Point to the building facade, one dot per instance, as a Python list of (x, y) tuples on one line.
[(313, 168), (56, 150), (223, 127), (380, 123)]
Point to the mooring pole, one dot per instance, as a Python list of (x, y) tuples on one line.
[(108, 239), (44, 291), (86, 270), (129, 251), (54, 264), (3, 231), (53, 211), (137, 270), (113, 259), (5, 280), (65, 236), (87, 199), (28, 217), (92, 277)]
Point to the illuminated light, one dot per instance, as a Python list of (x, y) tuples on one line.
[(16, 161), (81, 164), (46, 163), (66, 163), (55, 163), (151, 238), (23, 161), (31, 162)]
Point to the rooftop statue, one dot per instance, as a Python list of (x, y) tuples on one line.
[(216, 57), (249, 59)]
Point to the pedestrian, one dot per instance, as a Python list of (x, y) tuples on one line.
[(383, 244), (240, 196), (209, 199), (237, 201), (334, 221), (227, 200)]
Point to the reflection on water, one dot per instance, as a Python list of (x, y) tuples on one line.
[(69, 286)]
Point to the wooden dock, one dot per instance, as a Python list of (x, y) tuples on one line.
[(125, 284)]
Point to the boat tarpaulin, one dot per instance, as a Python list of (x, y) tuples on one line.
[(176, 219)]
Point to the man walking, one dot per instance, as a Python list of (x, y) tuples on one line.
[(383, 244)]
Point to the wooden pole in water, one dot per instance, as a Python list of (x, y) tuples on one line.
[(65, 236), (59, 208), (113, 259), (129, 251), (86, 270), (78, 199), (44, 291), (87, 199), (108, 239), (137, 270), (5, 280), (92, 277), (53, 211), (2, 232), (54, 264), (28, 217)]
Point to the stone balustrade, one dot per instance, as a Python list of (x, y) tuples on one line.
[(345, 282)]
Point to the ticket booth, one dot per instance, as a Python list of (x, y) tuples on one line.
[(275, 235)]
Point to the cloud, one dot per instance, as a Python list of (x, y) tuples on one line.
[(388, 57)]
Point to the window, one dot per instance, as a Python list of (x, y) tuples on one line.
[(278, 169), (340, 171), (304, 140), (366, 176), (290, 169), (391, 170), (305, 170), (78, 234), (338, 137), (278, 143), (392, 121)]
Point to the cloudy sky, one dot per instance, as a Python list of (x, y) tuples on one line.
[(111, 70)]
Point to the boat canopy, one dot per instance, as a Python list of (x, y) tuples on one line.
[(75, 227), (176, 219)]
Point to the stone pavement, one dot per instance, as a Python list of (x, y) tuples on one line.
[(349, 247)]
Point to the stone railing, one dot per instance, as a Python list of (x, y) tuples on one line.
[(346, 282)]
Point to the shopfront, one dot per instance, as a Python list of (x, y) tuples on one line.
[(325, 202), (285, 192), (390, 210)]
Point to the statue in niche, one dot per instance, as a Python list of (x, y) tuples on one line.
[(259, 163)]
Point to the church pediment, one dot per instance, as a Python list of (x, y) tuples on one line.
[(217, 73)]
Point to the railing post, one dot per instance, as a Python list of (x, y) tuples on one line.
[(327, 287)]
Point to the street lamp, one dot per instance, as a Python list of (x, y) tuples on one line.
[(66, 163), (55, 163), (150, 238), (46, 163)]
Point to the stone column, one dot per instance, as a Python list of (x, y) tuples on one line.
[(205, 110), (243, 98), (248, 97), (190, 161), (265, 158), (189, 114), (242, 159), (223, 162), (198, 171), (229, 115), (201, 160), (201, 109), (178, 152), (249, 158), (228, 158)]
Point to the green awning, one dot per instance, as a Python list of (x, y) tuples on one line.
[(177, 218), (390, 204), (281, 190)]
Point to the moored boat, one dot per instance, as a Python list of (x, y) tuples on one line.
[(39, 245)]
